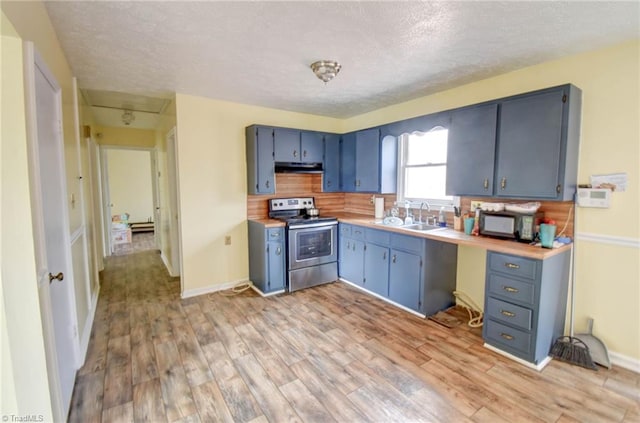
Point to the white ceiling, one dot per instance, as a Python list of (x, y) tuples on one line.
[(259, 52)]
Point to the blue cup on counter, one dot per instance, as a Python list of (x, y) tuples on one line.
[(547, 235), (468, 224)]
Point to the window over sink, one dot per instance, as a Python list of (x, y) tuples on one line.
[(422, 167)]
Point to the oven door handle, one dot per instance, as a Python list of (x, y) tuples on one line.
[(313, 225)]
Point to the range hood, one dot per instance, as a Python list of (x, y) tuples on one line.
[(290, 167)]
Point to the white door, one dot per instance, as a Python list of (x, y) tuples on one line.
[(172, 176), (51, 228)]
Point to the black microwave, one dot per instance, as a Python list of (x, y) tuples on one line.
[(522, 227)]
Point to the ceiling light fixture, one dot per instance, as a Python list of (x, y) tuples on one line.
[(326, 69), (128, 117)]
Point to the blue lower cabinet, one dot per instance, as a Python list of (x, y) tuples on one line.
[(266, 257), (525, 304), (351, 260), (405, 279), (410, 271), (376, 269)]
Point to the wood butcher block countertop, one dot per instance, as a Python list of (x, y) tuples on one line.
[(459, 237), (445, 235)]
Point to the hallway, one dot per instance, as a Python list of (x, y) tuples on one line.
[(328, 353)]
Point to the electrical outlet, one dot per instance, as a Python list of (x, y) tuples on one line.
[(475, 205), (227, 240)]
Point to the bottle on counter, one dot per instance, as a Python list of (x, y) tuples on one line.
[(442, 219), (476, 224)]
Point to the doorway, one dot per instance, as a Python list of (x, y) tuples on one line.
[(130, 199)]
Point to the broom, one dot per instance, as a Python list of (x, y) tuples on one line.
[(569, 348)]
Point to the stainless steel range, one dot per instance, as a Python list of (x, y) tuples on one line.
[(312, 242)]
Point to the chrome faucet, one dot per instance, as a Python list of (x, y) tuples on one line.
[(424, 203)]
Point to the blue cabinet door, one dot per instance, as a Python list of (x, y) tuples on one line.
[(530, 146), (311, 147), (276, 266), (368, 160), (351, 266), (265, 183), (376, 269), (331, 163), (471, 151), (260, 170), (405, 279), (286, 145), (348, 162)]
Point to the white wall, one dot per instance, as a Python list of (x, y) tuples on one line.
[(130, 187)]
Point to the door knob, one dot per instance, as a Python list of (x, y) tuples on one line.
[(59, 276)]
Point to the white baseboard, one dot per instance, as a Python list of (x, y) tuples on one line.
[(382, 298), (624, 361), (262, 294), (167, 264), (211, 288), (88, 326), (537, 367)]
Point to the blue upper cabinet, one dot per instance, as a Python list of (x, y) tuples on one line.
[(348, 162), (331, 163), (538, 136), (525, 146), (311, 146), (471, 151), (260, 167), (296, 146), (286, 145), (368, 162)]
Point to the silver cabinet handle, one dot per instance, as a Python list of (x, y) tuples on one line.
[(304, 153), (486, 184), (510, 289), (266, 184), (507, 313), (393, 259), (278, 251), (507, 336), (512, 265), (295, 153), (503, 183), (384, 255)]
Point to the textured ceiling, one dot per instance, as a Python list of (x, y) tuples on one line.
[(259, 52)]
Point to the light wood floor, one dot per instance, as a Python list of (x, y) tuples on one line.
[(330, 353)]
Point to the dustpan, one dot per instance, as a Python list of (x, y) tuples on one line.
[(597, 349)]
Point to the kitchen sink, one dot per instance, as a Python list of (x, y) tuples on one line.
[(421, 227)]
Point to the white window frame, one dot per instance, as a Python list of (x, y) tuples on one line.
[(434, 203)]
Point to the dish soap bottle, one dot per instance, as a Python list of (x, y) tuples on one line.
[(442, 220)]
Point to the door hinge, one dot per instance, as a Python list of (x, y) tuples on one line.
[(564, 98)]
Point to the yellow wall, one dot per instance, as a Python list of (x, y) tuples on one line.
[(130, 188), (24, 384), (608, 286), (212, 177), (125, 137)]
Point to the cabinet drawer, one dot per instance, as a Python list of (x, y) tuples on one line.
[(407, 243), (378, 237), (509, 313), (513, 265), (345, 230), (274, 234), (357, 232), (515, 339), (512, 289)]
